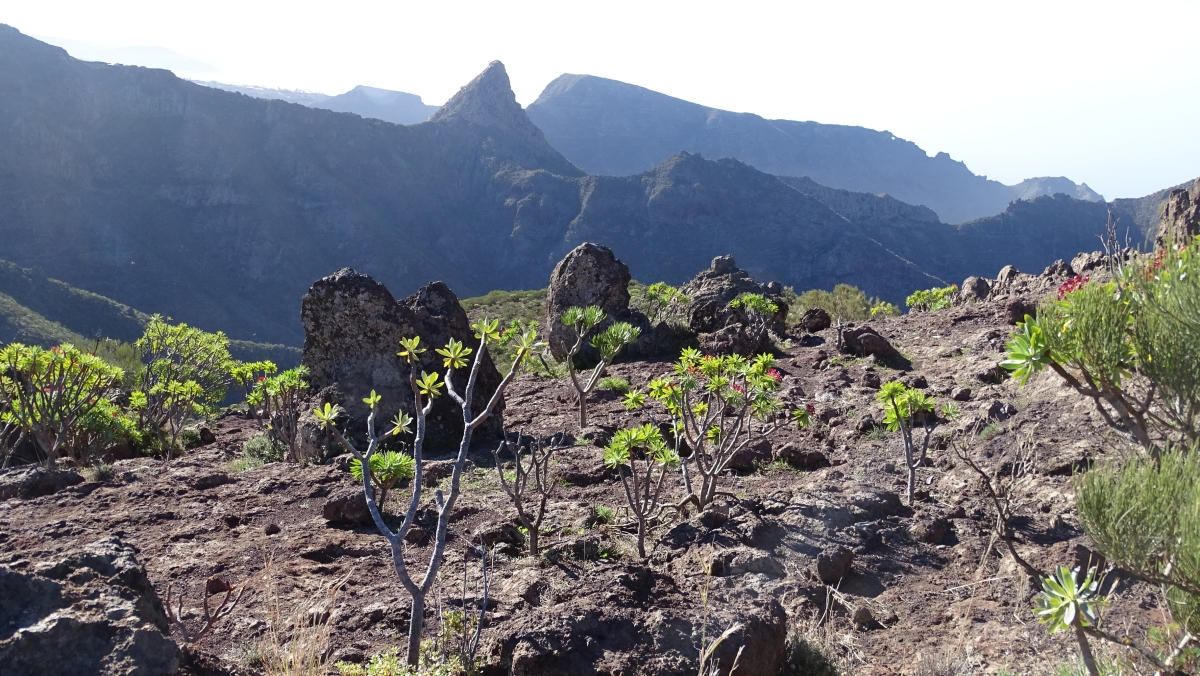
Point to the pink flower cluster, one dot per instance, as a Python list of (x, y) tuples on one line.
[(1072, 285)]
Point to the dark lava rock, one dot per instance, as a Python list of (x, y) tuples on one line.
[(35, 482), (1016, 310), (712, 290), (864, 340), (207, 436), (961, 394), (272, 528), (871, 379), (501, 532), (915, 381), (589, 275), (834, 563), (815, 319), (974, 289), (931, 531), (751, 455), (94, 612), (347, 507), (799, 458), (352, 332)]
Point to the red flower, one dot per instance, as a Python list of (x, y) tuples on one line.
[(1072, 285), (738, 388), (810, 408), (775, 374), (261, 378)]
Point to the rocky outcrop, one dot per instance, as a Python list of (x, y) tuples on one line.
[(632, 619), (1181, 216), (722, 329), (864, 341), (94, 612), (34, 482), (352, 329), (589, 275)]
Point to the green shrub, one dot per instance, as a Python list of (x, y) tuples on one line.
[(244, 464), (264, 448), (937, 298), (100, 473), (845, 302), (387, 469), (608, 343), (49, 392), (601, 515), (642, 458), (279, 397), (187, 373), (905, 409), (189, 438), (660, 302), (619, 385)]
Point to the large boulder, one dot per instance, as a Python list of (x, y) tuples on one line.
[(352, 332), (589, 275), (94, 612), (1180, 217), (35, 482), (865, 341)]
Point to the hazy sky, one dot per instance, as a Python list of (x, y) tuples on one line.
[(1102, 92)]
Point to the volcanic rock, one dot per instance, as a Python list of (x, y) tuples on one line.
[(589, 275), (1180, 218), (815, 319), (834, 563), (35, 482), (352, 329), (864, 340), (712, 290), (94, 612)]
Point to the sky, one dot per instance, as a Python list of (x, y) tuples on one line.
[(1106, 93)]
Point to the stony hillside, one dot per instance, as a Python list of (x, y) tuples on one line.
[(813, 536), (380, 104)]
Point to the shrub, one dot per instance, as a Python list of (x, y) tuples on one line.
[(714, 404), (264, 448), (279, 397), (425, 388), (759, 312), (608, 343), (601, 515), (187, 373), (49, 392), (245, 464), (904, 409), (805, 657), (619, 385), (103, 426), (643, 487), (100, 473), (387, 469), (660, 302), (937, 298), (845, 302), (530, 461)]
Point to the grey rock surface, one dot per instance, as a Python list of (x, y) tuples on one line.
[(94, 612), (589, 275), (353, 327)]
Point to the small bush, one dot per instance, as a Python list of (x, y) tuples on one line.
[(932, 299), (877, 433), (264, 448), (190, 438), (618, 385), (601, 515), (992, 430), (245, 464), (100, 473), (804, 657), (845, 302)]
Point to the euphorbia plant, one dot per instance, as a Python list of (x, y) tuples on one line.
[(717, 406), (425, 388), (387, 469), (642, 457), (279, 397), (50, 391), (608, 343), (904, 409), (759, 313)]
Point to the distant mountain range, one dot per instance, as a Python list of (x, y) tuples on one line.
[(220, 209), (613, 128), (379, 104)]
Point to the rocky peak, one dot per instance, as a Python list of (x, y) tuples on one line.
[(1181, 215)]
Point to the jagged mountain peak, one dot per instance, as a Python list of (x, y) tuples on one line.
[(488, 101)]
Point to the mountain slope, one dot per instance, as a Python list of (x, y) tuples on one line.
[(379, 104), (1053, 185), (43, 311), (220, 209), (610, 127)]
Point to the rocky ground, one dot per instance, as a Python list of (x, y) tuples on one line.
[(908, 588)]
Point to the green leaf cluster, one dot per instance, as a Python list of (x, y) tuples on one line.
[(937, 298), (1067, 600), (902, 404), (644, 440)]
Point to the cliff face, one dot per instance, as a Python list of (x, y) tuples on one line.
[(220, 210), (610, 127)]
